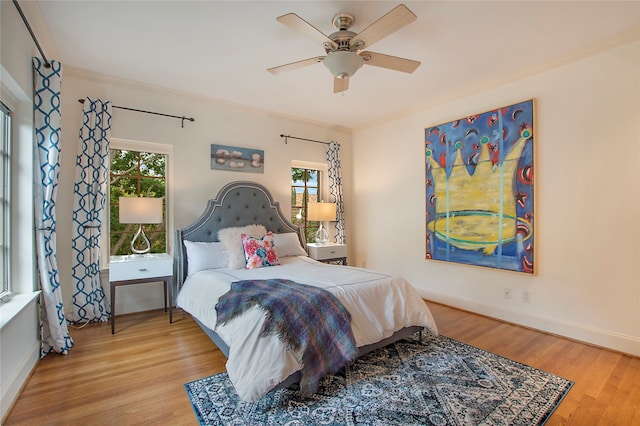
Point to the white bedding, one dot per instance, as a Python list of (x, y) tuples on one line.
[(379, 305)]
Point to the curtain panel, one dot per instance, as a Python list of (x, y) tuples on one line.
[(335, 188), (89, 193), (54, 333)]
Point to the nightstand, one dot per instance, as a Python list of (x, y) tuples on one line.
[(138, 269), (328, 252)]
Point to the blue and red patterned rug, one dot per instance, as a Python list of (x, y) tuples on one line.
[(436, 381)]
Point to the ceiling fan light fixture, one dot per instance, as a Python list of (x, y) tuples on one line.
[(343, 64), (341, 47)]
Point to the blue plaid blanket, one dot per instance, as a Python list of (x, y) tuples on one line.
[(309, 320)]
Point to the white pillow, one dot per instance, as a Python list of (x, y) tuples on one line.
[(288, 244), (232, 240), (201, 256)]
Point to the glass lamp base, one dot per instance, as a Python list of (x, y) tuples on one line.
[(322, 236)]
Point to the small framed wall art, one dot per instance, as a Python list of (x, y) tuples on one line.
[(237, 159), (480, 189)]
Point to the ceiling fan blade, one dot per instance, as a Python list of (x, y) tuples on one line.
[(397, 18), (390, 62), (301, 26), (295, 65), (340, 84)]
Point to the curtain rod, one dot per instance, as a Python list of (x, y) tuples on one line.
[(33, 36), (286, 137), (151, 112)]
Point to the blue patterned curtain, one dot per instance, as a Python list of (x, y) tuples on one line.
[(54, 333), (335, 188), (92, 170)]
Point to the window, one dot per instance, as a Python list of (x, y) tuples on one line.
[(5, 204), (305, 187), (136, 173)]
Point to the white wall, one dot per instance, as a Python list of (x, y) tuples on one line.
[(587, 148), (588, 189), (192, 180), (19, 343)]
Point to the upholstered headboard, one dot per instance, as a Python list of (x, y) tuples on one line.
[(237, 204)]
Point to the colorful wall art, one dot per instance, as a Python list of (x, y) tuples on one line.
[(237, 159), (479, 189)]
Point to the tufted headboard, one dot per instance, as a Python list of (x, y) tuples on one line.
[(237, 204)]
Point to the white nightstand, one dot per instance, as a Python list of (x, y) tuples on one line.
[(328, 252), (138, 269)]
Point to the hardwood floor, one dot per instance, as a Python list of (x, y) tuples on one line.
[(136, 376)]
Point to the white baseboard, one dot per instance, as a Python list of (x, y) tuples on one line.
[(591, 335), (13, 386)]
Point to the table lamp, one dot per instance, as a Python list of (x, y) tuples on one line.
[(140, 210), (321, 212)]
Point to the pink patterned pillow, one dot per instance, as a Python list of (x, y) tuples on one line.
[(259, 252)]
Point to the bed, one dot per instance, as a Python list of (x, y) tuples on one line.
[(382, 308)]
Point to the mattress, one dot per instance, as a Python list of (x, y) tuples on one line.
[(379, 304)]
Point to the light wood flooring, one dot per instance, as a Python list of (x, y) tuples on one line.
[(136, 376)]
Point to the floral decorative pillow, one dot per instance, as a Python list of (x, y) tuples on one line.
[(259, 252)]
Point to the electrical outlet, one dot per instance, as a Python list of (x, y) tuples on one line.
[(526, 297), (506, 293)]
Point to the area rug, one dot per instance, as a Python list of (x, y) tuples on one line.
[(432, 381)]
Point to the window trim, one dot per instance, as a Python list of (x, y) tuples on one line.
[(23, 277)]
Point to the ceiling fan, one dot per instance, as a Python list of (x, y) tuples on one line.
[(343, 47)]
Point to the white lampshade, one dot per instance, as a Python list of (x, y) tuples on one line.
[(140, 210), (321, 211), (343, 63)]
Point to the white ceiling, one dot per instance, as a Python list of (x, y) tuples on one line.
[(221, 49)]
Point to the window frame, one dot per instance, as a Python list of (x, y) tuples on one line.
[(6, 130), (23, 277), (139, 146), (323, 180)]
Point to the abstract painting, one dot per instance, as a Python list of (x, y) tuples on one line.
[(237, 159), (480, 189)]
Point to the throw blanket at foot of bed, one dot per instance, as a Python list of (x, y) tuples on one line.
[(310, 320)]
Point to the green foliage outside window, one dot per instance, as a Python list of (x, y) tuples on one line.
[(305, 187), (136, 174)]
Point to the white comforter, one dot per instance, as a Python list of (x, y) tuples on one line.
[(379, 305)]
